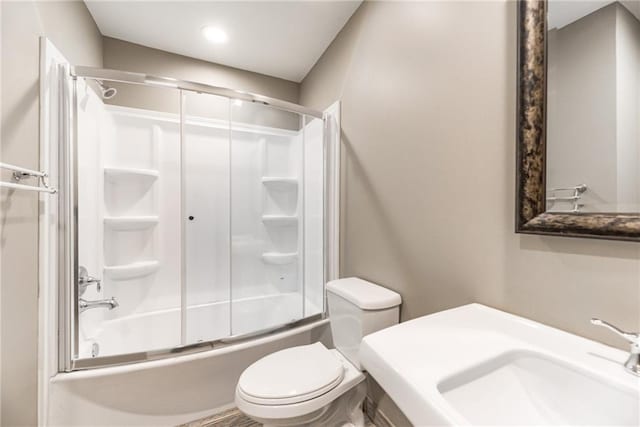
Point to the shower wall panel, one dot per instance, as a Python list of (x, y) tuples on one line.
[(267, 216), (142, 177)]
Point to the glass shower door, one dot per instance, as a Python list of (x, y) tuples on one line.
[(199, 218), (205, 218), (128, 221), (267, 217)]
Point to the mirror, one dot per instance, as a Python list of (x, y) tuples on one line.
[(593, 106), (578, 148)]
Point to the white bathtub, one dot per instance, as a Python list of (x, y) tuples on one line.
[(205, 322), (164, 392)]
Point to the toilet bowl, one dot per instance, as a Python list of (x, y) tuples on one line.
[(311, 385), (297, 386)]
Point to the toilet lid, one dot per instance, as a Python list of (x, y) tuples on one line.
[(292, 375)]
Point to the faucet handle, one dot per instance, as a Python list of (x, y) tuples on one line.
[(633, 338), (84, 280), (90, 280)]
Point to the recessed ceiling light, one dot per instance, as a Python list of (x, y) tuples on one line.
[(214, 34)]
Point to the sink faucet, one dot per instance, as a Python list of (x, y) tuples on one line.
[(84, 305), (633, 362)]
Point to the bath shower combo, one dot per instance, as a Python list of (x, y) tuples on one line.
[(190, 220)]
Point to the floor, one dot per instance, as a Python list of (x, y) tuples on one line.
[(228, 418), (232, 418)]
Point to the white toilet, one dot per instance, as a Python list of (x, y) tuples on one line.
[(310, 384)]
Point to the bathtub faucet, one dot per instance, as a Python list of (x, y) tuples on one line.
[(84, 305)]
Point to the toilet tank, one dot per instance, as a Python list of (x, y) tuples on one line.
[(358, 308)]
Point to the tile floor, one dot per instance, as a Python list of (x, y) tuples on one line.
[(232, 418)]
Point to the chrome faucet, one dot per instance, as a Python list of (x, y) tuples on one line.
[(84, 305), (84, 281), (633, 362)]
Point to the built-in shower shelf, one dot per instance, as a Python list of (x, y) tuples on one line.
[(131, 271), (279, 258), (279, 220), (130, 223), (117, 173), (280, 181)]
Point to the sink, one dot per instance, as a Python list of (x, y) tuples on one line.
[(525, 388), (474, 365)]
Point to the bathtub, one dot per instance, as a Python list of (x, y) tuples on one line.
[(184, 388), (204, 322)]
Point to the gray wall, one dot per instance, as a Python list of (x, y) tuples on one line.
[(122, 55), (71, 28), (428, 126)]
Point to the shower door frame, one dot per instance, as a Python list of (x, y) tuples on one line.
[(68, 319)]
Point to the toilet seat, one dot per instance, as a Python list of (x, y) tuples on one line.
[(305, 410), (291, 376)]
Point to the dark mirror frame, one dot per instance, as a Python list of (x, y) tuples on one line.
[(531, 217)]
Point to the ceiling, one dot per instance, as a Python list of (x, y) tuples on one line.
[(281, 39), (564, 12)]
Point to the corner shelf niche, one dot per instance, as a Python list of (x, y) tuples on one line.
[(131, 271), (280, 220), (114, 174), (280, 181), (132, 184), (130, 223), (279, 258)]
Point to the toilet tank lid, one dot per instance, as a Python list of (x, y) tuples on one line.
[(365, 295)]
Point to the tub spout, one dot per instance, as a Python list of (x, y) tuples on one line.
[(84, 305)]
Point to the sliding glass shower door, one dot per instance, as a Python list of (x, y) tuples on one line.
[(267, 221), (205, 218), (201, 215)]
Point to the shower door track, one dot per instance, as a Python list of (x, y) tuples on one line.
[(104, 74), (147, 356)]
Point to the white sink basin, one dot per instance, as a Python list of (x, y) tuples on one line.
[(524, 388), (474, 365)]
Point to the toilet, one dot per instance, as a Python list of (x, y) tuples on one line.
[(310, 384)]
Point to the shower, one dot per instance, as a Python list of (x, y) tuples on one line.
[(196, 214)]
